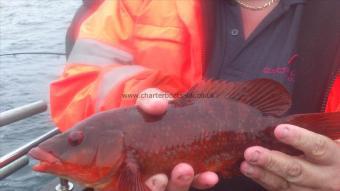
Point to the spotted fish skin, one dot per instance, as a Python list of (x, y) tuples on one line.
[(118, 150), (210, 142)]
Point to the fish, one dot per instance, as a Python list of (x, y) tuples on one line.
[(208, 127)]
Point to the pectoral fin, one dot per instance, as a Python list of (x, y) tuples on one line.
[(130, 178)]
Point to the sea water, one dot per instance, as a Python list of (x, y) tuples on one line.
[(29, 26)]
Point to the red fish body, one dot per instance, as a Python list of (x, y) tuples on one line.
[(119, 149)]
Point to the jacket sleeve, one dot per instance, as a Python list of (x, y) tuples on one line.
[(100, 73), (83, 12), (333, 103)]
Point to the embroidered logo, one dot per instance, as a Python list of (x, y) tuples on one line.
[(287, 70)]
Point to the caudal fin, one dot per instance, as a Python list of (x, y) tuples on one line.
[(327, 124)]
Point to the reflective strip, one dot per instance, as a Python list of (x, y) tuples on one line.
[(115, 77), (87, 51)]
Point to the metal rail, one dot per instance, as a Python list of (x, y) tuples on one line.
[(22, 112), (14, 155), (34, 53), (17, 159), (64, 185), (13, 167)]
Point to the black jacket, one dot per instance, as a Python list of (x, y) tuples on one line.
[(319, 63)]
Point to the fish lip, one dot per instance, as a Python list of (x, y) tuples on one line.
[(46, 159)]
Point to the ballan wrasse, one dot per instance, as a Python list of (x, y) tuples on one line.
[(118, 150)]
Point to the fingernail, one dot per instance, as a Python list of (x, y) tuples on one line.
[(185, 178), (255, 156), (158, 185), (158, 182), (154, 182), (284, 132), (249, 171)]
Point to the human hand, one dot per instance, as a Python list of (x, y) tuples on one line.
[(318, 169), (182, 176)]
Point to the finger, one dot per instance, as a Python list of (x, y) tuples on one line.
[(205, 180), (153, 101), (181, 178), (265, 178), (316, 147), (157, 182), (290, 168)]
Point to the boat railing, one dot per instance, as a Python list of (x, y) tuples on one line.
[(17, 159)]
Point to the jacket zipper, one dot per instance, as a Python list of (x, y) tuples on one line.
[(328, 91)]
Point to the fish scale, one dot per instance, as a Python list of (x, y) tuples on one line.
[(201, 140)]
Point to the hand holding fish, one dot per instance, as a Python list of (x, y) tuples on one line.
[(317, 169), (182, 176)]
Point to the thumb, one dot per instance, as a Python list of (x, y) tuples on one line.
[(153, 101)]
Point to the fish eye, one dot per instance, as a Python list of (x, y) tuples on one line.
[(75, 138)]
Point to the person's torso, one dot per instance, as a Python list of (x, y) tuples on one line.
[(269, 52)]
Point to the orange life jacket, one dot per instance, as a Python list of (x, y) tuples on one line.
[(125, 47)]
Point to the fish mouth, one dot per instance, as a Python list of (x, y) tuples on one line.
[(46, 159)]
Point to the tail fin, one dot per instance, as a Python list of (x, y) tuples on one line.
[(327, 124)]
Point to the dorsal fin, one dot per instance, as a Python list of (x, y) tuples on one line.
[(269, 96)]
